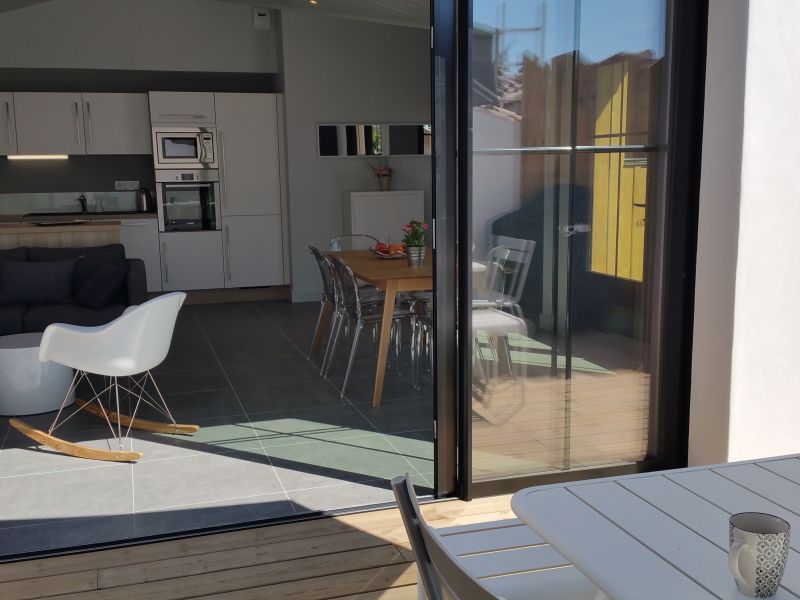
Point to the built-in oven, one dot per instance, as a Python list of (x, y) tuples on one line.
[(188, 200), (185, 148)]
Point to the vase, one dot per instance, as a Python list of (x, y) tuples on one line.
[(383, 182), (415, 255)]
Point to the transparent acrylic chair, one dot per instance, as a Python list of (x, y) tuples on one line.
[(351, 309), (353, 241)]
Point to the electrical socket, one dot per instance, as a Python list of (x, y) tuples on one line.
[(125, 186)]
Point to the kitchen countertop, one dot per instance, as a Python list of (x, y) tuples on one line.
[(28, 228), (94, 216)]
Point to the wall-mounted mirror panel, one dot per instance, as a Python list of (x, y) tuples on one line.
[(350, 140), (407, 140), (374, 140)]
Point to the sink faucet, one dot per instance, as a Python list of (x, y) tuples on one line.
[(82, 200)]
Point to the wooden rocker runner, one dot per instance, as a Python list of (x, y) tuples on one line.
[(127, 349)]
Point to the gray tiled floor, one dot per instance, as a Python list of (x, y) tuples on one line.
[(276, 440)]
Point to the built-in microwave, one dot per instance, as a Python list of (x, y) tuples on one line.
[(188, 200), (185, 148)]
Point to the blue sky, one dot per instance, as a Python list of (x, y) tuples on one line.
[(607, 26)]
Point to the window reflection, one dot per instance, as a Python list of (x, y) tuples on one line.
[(562, 236)]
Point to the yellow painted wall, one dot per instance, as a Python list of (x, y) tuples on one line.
[(619, 186)]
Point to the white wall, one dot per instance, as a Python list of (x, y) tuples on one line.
[(340, 71), (760, 210), (201, 35), (765, 390), (718, 231)]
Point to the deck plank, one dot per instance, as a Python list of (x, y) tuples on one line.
[(359, 556)]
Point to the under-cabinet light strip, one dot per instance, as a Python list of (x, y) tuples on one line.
[(38, 157)]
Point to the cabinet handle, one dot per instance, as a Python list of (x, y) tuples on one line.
[(228, 251), (164, 264), (221, 138), (78, 123), (183, 115), (89, 118), (8, 123), (124, 224)]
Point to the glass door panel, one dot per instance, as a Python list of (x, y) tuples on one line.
[(565, 232)]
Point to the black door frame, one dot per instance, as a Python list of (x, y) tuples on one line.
[(450, 84)]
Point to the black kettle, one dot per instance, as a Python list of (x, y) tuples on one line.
[(144, 201)]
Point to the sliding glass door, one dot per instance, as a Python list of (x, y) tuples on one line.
[(566, 202)]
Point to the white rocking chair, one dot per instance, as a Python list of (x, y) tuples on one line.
[(130, 346)]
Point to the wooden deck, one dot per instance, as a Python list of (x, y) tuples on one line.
[(362, 556)]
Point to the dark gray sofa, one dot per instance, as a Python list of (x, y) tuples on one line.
[(35, 315)]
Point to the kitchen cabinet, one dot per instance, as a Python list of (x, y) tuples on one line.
[(49, 123), (253, 251), (191, 260), (182, 107), (140, 238), (116, 123), (247, 133), (8, 128), (383, 214)]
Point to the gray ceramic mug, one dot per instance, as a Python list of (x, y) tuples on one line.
[(759, 545)]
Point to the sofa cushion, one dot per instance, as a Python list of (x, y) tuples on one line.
[(103, 286), (39, 317), (93, 257), (14, 254), (24, 282), (11, 319)]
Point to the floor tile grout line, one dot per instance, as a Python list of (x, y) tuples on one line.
[(352, 405), (236, 395), (297, 348), (388, 441), (397, 451), (5, 436)]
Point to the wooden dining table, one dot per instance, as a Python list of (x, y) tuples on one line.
[(391, 276)]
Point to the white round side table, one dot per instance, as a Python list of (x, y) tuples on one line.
[(27, 385)]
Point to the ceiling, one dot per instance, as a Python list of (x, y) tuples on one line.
[(9, 5), (408, 13)]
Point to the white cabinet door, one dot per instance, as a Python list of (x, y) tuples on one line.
[(49, 123), (253, 249), (182, 107), (140, 238), (191, 260), (247, 130), (8, 129), (116, 123), (383, 214)]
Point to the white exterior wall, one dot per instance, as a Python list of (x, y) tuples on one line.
[(765, 388), (745, 392)]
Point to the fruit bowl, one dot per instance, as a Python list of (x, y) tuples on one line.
[(386, 253)]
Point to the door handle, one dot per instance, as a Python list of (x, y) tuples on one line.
[(90, 141), (164, 264), (228, 251), (8, 123), (570, 230), (201, 149), (78, 123)]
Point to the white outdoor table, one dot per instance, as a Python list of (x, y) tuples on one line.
[(664, 535)]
